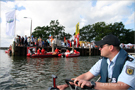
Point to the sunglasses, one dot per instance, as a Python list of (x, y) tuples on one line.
[(101, 46)]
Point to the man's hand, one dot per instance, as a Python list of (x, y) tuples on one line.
[(81, 83)]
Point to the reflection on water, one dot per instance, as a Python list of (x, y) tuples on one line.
[(19, 72)]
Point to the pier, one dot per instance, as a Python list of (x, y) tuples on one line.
[(22, 50)]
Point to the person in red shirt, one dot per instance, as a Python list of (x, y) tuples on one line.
[(56, 50), (10, 48), (43, 51), (75, 51), (67, 50), (38, 51)]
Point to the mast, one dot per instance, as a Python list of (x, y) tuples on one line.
[(15, 24)]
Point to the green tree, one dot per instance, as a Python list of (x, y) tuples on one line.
[(56, 30), (98, 30)]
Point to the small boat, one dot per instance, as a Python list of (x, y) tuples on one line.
[(68, 54), (48, 54), (77, 54), (9, 52), (6, 51), (61, 55)]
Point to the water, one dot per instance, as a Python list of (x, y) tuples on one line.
[(22, 73)]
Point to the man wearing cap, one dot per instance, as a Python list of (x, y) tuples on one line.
[(116, 68)]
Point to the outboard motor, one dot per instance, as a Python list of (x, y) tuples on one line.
[(72, 87), (54, 87)]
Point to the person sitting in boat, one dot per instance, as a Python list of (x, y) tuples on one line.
[(43, 51), (75, 51), (67, 52), (57, 50), (10, 48), (71, 51), (38, 51)]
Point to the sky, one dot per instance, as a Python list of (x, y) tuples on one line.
[(67, 12)]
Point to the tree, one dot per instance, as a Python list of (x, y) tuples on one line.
[(56, 30), (98, 30)]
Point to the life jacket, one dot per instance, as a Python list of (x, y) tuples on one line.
[(56, 50), (67, 51), (75, 51), (43, 51), (120, 61), (38, 51)]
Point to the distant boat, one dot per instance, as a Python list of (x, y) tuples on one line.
[(9, 51), (68, 55), (46, 55)]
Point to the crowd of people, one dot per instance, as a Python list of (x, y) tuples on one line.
[(31, 41), (127, 46), (34, 41)]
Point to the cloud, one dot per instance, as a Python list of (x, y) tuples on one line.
[(69, 13), (130, 19)]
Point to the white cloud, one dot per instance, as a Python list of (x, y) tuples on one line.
[(131, 19), (67, 12)]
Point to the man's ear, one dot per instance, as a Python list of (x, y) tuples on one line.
[(111, 47)]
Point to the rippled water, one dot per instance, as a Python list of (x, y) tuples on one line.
[(22, 73)]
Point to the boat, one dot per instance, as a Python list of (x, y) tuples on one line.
[(77, 54), (9, 51), (32, 52), (68, 54), (46, 55), (6, 51), (61, 55)]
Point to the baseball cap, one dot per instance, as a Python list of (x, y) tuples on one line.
[(108, 39)]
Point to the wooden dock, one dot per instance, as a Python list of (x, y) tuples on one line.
[(22, 50)]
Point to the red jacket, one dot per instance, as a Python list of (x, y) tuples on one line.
[(56, 50), (38, 51), (43, 51)]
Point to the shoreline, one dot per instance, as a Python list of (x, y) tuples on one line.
[(4, 47)]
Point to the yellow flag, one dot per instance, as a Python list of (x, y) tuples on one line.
[(77, 29)]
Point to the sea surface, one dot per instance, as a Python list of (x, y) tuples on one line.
[(23, 73)]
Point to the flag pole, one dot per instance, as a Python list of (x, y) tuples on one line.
[(14, 44), (15, 24)]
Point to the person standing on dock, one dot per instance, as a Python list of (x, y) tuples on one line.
[(116, 68), (25, 40)]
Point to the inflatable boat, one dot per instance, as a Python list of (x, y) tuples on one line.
[(46, 55), (9, 52), (68, 55), (72, 55), (6, 51)]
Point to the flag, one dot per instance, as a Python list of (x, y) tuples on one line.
[(64, 39), (77, 33), (10, 23), (50, 35), (77, 29)]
